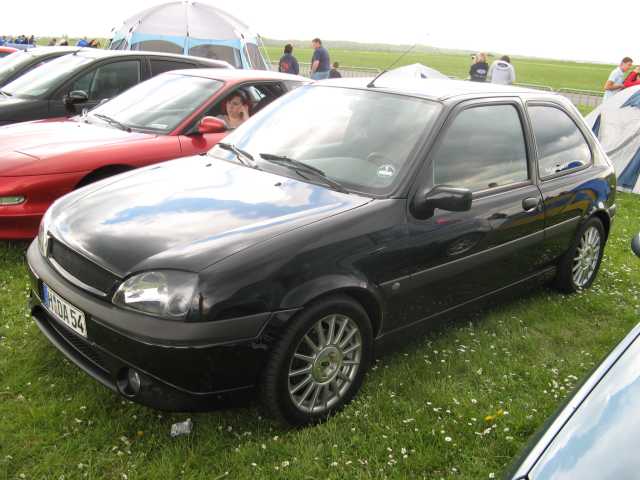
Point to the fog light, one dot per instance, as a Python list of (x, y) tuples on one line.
[(129, 382), (134, 380), (16, 200)]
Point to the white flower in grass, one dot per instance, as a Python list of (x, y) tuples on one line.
[(334, 464), (285, 464), (447, 439), (492, 475)]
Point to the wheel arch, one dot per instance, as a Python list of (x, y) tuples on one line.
[(103, 172), (360, 291)]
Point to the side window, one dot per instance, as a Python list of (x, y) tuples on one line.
[(84, 82), (483, 148), (561, 145), (159, 66), (114, 78)]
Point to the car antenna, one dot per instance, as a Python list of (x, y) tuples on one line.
[(371, 83)]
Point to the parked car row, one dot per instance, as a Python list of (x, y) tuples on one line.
[(342, 216)]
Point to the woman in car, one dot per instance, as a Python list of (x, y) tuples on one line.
[(237, 109)]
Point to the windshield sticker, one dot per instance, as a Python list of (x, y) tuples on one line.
[(386, 171), (158, 125)]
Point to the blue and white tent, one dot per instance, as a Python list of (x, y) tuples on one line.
[(616, 123), (191, 28)]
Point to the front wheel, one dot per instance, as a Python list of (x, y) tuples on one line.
[(318, 364), (580, 264)]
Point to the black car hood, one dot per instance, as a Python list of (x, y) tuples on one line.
[(187, 214)]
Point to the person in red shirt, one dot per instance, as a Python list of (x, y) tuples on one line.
[(632, 79)]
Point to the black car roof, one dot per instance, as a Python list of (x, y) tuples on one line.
[(97, 53), (436, 89), (38, 51)]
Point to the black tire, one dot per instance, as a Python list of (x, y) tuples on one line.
[(565, 279), (327, 373)]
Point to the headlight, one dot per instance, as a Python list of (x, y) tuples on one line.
[(166, 294), (15, 200), (43, 233)]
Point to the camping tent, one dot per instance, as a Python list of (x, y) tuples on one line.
[(616, 123), (191, 28), (416, 70)]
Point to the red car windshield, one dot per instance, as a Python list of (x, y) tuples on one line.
[(159, 104)]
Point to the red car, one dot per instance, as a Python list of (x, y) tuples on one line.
[(166, 117), (4, 51)]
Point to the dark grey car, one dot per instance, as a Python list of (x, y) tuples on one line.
[(83, 79)]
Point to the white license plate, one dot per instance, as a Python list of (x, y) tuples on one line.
[(64, 311)]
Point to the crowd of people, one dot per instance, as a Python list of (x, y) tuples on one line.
[(83, 42), (19, 40)]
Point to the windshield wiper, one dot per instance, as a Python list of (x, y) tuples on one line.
[(6, 94), (113, 121), (301, 168), (241, 155)]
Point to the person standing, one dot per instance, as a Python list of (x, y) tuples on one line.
[(502, 72), (334, 73), (615, 82), (288, 63), (480, 68), (320, 63)]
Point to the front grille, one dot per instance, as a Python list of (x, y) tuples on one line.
[(78, 344), (80, 268)]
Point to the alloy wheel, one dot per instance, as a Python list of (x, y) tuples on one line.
[(325, 363), (587, 255)]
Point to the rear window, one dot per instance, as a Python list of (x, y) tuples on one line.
[(159, 66)]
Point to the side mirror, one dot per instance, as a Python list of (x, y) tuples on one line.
[(635, 244), (75, 97), (452, 199), (211, 125)]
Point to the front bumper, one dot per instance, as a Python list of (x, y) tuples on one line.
[(182, 365)]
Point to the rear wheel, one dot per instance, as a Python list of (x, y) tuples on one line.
[(318, 364), (580, 264)]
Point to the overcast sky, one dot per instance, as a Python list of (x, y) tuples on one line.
[(572, 30)]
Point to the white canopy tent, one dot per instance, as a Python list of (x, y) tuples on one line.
[(191, 28), (616, 123)]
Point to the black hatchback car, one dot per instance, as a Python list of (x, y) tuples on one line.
[(343, 214), (84, 79)]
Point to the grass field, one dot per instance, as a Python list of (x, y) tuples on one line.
[(459, 403), (553, 73)]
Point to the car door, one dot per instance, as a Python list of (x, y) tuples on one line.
[(564, 165), (101, 82), (455, 257)]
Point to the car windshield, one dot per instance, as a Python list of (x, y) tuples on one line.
[(362, 140), (159, 104), (42, 79), (12, 63)]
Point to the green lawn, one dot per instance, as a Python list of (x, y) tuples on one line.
[(458, 403), (553, 73)]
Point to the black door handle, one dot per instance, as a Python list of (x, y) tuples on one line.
[(530, 203)]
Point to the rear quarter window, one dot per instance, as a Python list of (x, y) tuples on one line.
[(561, 145)]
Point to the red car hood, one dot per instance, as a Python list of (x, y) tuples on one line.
[(24, 146)]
